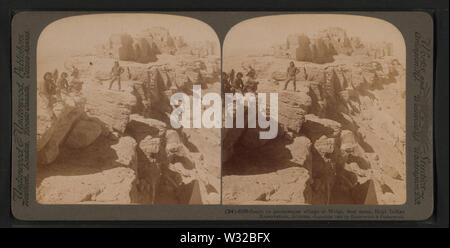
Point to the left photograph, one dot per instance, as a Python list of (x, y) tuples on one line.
[(104, 134)]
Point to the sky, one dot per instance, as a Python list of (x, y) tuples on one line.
[(81, 33), (263, 32)]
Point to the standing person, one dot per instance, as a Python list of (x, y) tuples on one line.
[(75, 84), (251, 86), (55, 75), (75, 72), (291, 74), (238, 83), (251, 74), (232, 76), (63, 85), (226, 83), (50, 88), (115, 72)]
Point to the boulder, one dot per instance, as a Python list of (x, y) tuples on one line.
[(314, 127), (84, 133), (295, 99), (292, 107), (325, 147), (176, 151), (110, 107), (104, 172), (291, 119), (315, 74), (189, 174), (357, 79), (348, 141), (53, 125), (325, 159), (343, 76), (125, 150), (139, 127), (354, 174), (180, 174), (286, 186), (173, 141), (351, 151), (150, 146), (112, 186), (44, 122), (300, 149), (318, 98)]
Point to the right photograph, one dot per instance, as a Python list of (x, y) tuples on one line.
[(341, 97)]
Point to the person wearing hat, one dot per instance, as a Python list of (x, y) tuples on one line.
[(115, 73), (291, 74)]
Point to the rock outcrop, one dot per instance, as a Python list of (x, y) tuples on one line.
[(83, 133), (284, 186), (343, 127), (145, 46), (105, 172), (108, 187), (53, 124), (322, 46), (111, 146), (110, 107)]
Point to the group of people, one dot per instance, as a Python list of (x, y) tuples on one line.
[(234, 82), (56, 84)]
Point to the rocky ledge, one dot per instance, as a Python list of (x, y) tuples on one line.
[(103, 146), (340, 141)]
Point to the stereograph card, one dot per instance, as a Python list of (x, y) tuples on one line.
[(222, 116)]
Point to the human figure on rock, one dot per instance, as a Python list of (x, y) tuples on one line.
[(226, 83), (291, 74), (75, 73), (238, 83), (232, 75), (55, 75), (115, 73), (50, 88), (251, 86), (199, 77), (251, 74), (75, 84), (63, 84)]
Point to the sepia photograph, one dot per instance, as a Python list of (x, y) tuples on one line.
[(224, 117), (341, 114), (103, 111)]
